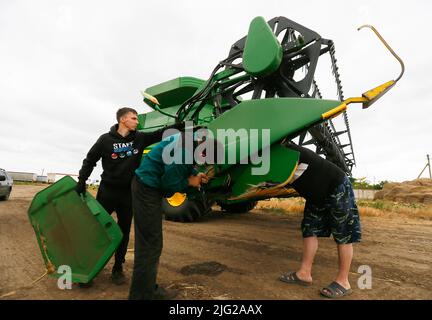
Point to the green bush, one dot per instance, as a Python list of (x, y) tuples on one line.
[(364, 184)]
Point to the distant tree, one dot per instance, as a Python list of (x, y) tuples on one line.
[(362, 183)]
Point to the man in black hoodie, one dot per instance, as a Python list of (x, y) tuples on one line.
[(121, 150)]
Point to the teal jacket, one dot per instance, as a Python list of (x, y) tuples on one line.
[(168, 178)]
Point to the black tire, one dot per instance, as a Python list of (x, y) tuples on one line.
[(188, 211), (6, 197), (241, 207)]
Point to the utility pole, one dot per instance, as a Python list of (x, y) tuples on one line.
[(427, 166)]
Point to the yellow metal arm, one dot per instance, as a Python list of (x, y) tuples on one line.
[(388, 47), (374, 94)]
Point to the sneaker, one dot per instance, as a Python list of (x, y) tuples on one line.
[(117, 276), (164, 294)]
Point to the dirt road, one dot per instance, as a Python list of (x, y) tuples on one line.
[(242, 256)]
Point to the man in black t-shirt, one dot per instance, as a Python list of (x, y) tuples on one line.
[(330, 210)]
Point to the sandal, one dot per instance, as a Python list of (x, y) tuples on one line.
[(335, 290), (293, 278)]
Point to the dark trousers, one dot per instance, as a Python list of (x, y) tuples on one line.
[(147, 209), (119, 199)]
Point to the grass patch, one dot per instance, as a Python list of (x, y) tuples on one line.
[(285, 206), (367, 208), (387, 208), (29, 183)]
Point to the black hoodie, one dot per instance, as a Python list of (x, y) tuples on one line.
[(120, 155)]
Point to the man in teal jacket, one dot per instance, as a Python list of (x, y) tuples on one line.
[(155, 179)]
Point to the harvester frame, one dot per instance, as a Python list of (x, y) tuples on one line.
[(264, 64)]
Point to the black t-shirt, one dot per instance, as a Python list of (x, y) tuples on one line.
[(319, 179)]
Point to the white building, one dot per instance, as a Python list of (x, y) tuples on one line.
[(23, 176), (55, 176), (43, 179), (364, 194)]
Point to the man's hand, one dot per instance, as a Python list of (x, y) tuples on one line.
[(204, 177), (194, 181), (81, 188)]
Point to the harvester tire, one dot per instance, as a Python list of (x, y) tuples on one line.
[(188, 211)]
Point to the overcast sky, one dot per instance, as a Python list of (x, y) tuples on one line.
[(67, 66)]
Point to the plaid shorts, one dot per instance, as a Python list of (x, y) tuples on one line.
[(338, 216)]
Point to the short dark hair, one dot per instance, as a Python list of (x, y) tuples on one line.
[(122, 111)]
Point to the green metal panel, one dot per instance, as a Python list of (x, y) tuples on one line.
[(153, 120), (283, 162), (283, 116), (174, 92), (171, 95), (263, 52), (72, 231)]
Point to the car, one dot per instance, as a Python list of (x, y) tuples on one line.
[(6, 184)]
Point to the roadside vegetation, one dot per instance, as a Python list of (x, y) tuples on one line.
[(371, 208)]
